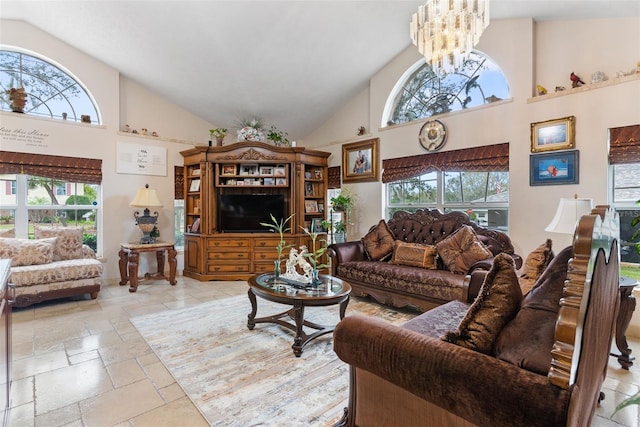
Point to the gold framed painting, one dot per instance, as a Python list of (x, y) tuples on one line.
[(558, 134), (360, 161)]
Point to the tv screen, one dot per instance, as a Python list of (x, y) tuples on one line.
[(244, 212)]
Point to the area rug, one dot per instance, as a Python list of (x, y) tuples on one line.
[(238, 377)]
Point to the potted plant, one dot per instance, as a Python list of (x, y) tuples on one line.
[(339, 232), (315, 254), (218, 134), (279, 227), (277, 136), (342, 202)]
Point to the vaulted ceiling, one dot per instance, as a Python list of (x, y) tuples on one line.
[(290, 63)]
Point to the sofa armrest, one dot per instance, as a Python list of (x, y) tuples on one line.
[(475, 386), (344, 252), (88, 253)]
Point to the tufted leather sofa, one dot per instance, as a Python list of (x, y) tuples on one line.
[(419, 288)]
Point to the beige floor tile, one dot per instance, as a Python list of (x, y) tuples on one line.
[(148, 359), (175, 414), (123, 351), (23, 415), (67, 415), (126, 372), (38, 364), (22, 391), (92, 342), (62, 387), (172, 392), (130, 401), (159, 375)]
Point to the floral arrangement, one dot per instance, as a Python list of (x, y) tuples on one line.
[(251, 131), (277, 136)]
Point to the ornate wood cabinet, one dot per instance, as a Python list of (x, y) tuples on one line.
[(213, 251)]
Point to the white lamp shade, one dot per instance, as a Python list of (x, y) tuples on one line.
[(568, 213), (146, 197)]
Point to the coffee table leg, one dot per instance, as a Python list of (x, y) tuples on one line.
[(343, 307), (298, 317), (254, 309)]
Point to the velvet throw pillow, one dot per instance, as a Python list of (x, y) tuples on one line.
[(534, 265), (462, 249), (414, 255), (378, 242), (497, 303)]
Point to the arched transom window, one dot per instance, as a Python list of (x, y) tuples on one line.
[(51, 92), (424, 93)]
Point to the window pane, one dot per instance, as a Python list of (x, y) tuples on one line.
[(627, 248), (626, 182)]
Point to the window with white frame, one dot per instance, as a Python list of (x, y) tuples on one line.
[(484, 196)]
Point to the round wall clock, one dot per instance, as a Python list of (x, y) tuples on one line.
[(433, 135)]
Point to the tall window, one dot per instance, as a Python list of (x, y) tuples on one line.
[(51, 92), (421, 93)]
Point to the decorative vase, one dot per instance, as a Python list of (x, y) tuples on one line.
[(17, 99), (276, 269), (219, 140), (315, 279)]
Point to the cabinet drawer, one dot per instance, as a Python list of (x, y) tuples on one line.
[(227, 256), (267, 243), (260, 267), (228, 243), (271, 255), (227, 268)]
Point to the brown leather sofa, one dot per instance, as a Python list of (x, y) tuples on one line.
[(416, 287), (546, 366)]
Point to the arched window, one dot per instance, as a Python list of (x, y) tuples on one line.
[(422, 93), (51, 91)]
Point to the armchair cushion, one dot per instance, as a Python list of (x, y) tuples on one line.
[(69, 242), (534, 265), (378, 242), (27, 252), (497, 303), (414, 255), (462, 249)]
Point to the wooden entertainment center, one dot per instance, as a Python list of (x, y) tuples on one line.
[(290, 179)]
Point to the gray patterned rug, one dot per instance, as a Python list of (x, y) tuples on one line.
[(238, 377)]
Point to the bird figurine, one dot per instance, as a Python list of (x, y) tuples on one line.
[(541, 90), (575, 80)]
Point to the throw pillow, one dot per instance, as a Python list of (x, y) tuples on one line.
[(378, 242), (534, 265), (27, 252), (462, 249), (414, 255), (497, 303), (68, 244), (11, 232)]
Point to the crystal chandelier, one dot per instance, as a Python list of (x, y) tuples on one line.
[(445, 31)]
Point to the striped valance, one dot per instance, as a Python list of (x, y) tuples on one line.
[(73, 169)]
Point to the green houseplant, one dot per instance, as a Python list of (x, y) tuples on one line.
[(339, 232), (281, 228), (277, 136), (342, 202), (218, 134), (315, 254)]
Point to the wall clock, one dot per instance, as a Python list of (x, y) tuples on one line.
[(433, 135)]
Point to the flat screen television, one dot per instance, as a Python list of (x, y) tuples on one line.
[(243, 213)]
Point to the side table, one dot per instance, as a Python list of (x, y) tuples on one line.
[(130, 254), (627, 307)]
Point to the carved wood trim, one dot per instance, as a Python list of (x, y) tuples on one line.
[(253, 155)]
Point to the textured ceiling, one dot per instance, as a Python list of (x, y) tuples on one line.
[(291, 63)]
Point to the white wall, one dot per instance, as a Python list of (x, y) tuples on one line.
[(120, 101), (523, 49)]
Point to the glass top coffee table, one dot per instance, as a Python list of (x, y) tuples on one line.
[(330, 291)]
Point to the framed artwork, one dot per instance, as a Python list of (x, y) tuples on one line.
[(310, 206), (279, 170), (551, 135), (316, 226), (194, 186), (228, 169), (266, 170), (320, 207), (308, 189), (196, 172), (360, 161), (269, 181), (196, 226), (281, 181), (554, 168), (318, 174)]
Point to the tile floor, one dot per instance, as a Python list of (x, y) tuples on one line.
[(82, 363)]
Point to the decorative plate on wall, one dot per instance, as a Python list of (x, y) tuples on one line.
[(433, 135)]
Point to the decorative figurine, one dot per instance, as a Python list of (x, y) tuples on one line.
[(154, 133), (560, 88), (297, 259), (541, 90), (127, 128), (575, 80), (598, 77), (144, 131), (361, 130)]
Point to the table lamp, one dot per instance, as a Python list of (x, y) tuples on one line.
[(145, 198), (568, 213)]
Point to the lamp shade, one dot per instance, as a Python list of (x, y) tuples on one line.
[(146, 197), (568, 213)]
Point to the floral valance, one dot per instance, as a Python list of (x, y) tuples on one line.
[(624, 144), (73, 169), (478, 159)]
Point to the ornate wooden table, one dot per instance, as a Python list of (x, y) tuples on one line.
[(330, 292), (130, 254), (627, 307)]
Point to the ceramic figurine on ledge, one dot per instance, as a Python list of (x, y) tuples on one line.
[(576, 81)]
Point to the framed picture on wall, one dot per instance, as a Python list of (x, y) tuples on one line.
[(551, 135), (554, 168), (360, 161)]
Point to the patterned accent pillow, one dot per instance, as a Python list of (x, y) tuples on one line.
[(69, 243), (27, 252), (498, 302), (11, 232), (462, 249), (378, 242), (414, 255), (534, 265)]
